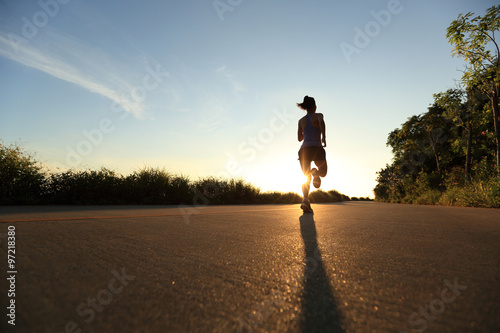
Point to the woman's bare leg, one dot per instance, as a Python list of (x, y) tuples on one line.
[(306, 170)]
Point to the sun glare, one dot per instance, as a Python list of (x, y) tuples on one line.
[(286, 180), (278, 174), (283, 174)]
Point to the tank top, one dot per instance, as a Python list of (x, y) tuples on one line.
[(312, 134)]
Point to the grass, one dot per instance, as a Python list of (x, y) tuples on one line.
[(23, 181), (484, 193), (155, 186), (479, 193)]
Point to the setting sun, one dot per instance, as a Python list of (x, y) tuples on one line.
[(281, 173)]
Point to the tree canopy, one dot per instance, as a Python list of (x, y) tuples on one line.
[(451, 152)]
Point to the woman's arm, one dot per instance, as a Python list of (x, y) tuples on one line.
[(300, 133), (322, 127)]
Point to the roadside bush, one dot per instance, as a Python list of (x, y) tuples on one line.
[(280, 198), (22, 181), (85, 187), (455, 177), (320, 196), (479, 193), (429, 197), (222, 191), (483, 170), (451, 196), (154, 186), (337, 196), (21, 178)]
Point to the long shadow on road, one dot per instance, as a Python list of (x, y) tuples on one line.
[(320, 313)]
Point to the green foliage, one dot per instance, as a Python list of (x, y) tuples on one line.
[(479, 193), (361, 199), (451, 154), (416, 177), (85, 187), (23, 182), (21, 179), (280, 198), (320, 196), (451, 196), (474, 40), (429, 197), (484, 169), (221, 191), (454, 177), (156, 186), (471, 37)]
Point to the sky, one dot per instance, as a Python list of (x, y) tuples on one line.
[(209, 88)]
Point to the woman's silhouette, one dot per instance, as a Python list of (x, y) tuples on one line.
[(312, 131)]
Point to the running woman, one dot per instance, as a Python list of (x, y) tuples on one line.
[(312, 132)]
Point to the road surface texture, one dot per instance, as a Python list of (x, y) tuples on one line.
[(350, 267)]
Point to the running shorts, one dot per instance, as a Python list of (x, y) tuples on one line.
[(312, 154)]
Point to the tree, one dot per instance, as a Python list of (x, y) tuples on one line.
[(460, 111), (388, 186), (474, 40), (407, 145), (419, 145), (435, 125)]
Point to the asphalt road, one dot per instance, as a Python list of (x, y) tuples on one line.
[(350, 267)]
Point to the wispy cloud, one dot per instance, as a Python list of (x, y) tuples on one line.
[(236, 86), (70, 59)]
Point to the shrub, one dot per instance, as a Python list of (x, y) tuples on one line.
[(483, 170), (429, 197), (21, 179), (157, 186), (451, 196), (232, 191), (320, 196), (280, 198), (337, 196), (23, 182), (455, 177), (85, 187), (481, 194), (478, 193)]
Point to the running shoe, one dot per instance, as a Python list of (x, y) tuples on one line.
[(306, 207), (316, 179)]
